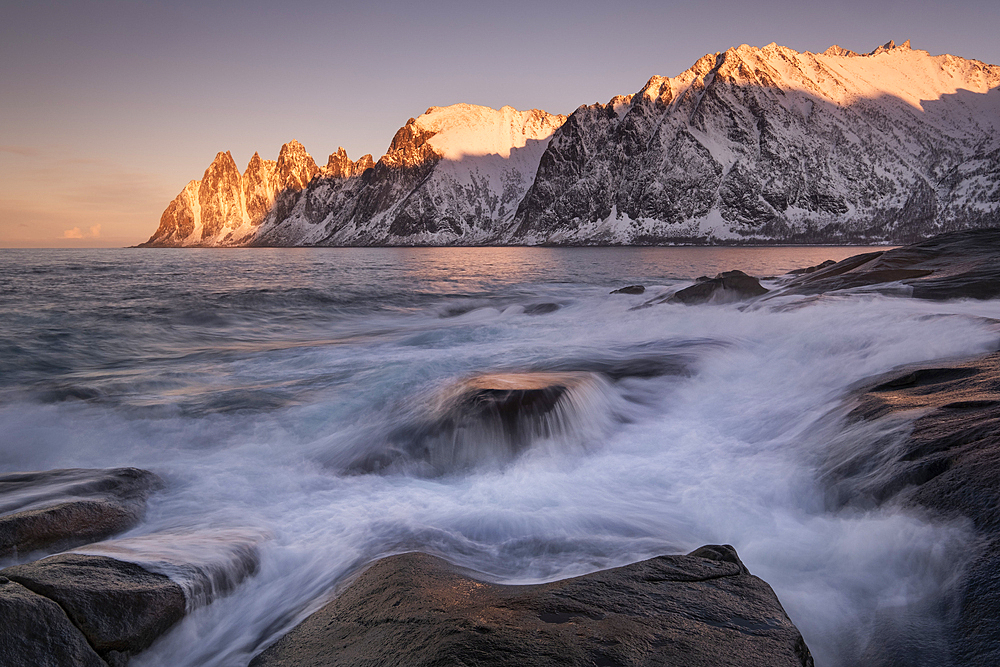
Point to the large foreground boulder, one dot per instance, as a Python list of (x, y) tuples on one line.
[(61, 509), (119, 607), (416, 610), (957, 265), (948, 465), (37, 633)]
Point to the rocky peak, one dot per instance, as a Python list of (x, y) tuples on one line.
[(223, 166), (890, 46), (363, 164), (341, 166), (295, 167), (836, 50), (409, 147), (657, 89), (220, 196), (259, 187)]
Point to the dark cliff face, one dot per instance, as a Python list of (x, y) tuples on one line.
[(409, 160)]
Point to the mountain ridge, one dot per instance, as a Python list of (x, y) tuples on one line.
[(749, 145)]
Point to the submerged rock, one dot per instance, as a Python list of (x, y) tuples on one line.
[(541, 308), (418, 610), (119, 607), (485, 419), (37, 633), (948, 464), (631, 289), (957, 265), (60, 509), (726, 287)]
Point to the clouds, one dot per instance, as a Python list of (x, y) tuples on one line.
[(51, 196), (75, 233)]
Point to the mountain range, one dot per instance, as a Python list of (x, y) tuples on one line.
[(750, 145)]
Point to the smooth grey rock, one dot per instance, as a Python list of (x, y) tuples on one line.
[(60, 509), (119, 607), (418, 610), (37, 633), (726, 287), (957, 265), (631, 289)]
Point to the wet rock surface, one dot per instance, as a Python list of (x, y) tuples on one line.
[(631, 289), (949, 466), (59, 509), (957, 265), (704, 608), (726, 287), (37, 633), (489, 418), (120, 608)]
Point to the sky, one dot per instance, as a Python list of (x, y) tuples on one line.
[(107, 109)]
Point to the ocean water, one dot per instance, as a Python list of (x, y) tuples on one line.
[(289, 400)]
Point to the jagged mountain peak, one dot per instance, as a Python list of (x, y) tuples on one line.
[(339, 165), (763, 143), (837, 50), (296, 166)]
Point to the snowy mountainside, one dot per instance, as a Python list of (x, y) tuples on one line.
[(453, 175), (749, 145), (768, 144)]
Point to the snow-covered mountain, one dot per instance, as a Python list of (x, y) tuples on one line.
[(454, 175), (748, 145)]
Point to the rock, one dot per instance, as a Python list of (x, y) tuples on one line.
[(957, 265), (119, 607), (631, 289), (541, 308), (724, 288), (812, 269), (482, 420), (950, 465), (37, 633), (59, 509), (205, 564), (418, 610)]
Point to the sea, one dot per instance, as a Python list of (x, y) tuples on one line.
[(288, 397)]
